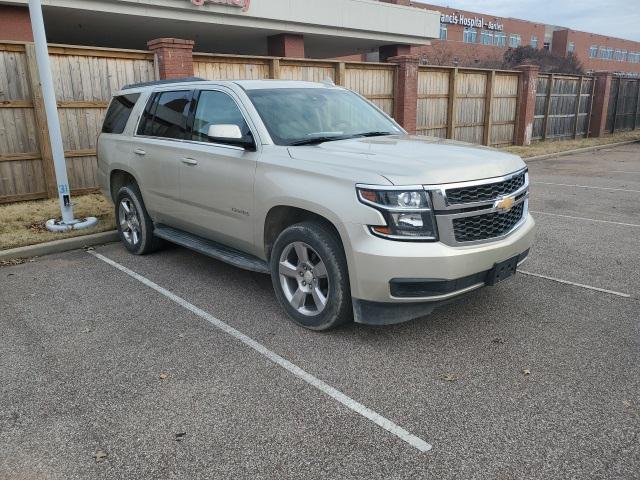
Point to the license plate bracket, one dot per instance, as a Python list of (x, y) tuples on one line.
[(502, 270)]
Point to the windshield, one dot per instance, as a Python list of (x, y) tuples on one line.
[(299, 116)]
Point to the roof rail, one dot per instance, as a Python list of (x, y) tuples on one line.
[(162, 82)]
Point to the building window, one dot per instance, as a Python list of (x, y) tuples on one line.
[(500, 39), (623, 56), (469, 35), (486, 37), (534, 42), (546, 46), (443, 31), (617, 55), (593, 51), (514, 40), (605, 53), (571, 47)]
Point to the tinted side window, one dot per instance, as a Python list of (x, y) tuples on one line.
[(166, 115), (215, 108), (146, 121), (119, 112)]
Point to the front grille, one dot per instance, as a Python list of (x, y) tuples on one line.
[(489, 225), (489, 191)]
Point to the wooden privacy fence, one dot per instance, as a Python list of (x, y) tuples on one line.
[(563, 106), (84, 79), (471, 105), (371, 80), (624, 105)]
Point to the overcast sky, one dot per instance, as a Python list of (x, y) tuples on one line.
[(616, 18)]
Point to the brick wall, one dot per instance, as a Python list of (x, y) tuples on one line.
[(15, 24)]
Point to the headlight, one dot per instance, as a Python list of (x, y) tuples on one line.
[(408, 213)]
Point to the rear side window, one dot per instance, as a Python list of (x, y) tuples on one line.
[(166, 115), (119, 112)]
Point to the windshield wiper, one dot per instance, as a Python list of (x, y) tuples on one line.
[(316, 140), (374, 134)]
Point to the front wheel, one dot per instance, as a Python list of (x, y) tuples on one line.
[(310, 276), (135, 227)]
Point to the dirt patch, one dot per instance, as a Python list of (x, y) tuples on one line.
[(548, 147), (23, 223)]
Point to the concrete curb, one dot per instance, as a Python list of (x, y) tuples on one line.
[(58, 246), (578, 150)]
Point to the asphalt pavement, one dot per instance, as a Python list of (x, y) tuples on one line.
[(103, 376)]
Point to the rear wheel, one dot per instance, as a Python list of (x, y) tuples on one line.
[(310, 278), (133, 222)]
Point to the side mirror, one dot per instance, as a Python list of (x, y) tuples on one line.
[(231, 134), (226, 132)]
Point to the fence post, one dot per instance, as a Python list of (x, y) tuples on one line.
[(488, 102), (547, 108), (405, 102), (600, 104), (42, 126), (340, 74), (451, 103), (274, 69), (635, 117), (587, 130), (173, 57), (526, 101), (578, 99)]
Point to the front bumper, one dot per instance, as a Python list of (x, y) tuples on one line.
[(375, 263)]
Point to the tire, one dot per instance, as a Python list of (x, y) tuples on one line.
[(308, 266), (134, 227)]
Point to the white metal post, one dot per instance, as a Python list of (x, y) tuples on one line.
[(55, 135)]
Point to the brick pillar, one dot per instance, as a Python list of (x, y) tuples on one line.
[(405, 101), (286, 45), (15, 24), (174, 57), (526, 102), (600, 107), (388, 51)]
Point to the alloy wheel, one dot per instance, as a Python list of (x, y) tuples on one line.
[(129, 221), (304, 279)]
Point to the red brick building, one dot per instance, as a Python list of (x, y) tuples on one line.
[(471, 38), (598, 52)]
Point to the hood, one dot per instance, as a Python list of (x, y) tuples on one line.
[(412, 160)]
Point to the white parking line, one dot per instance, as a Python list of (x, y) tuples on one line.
[(586, 186), (585, 218), (581, 285), (277, 359)]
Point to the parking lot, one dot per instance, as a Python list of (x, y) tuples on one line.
[(138, 368)]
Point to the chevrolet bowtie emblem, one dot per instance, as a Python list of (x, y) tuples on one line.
[(504, 204)]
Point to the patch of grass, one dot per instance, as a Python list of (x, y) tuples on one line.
[(22, 223), (545, 148)]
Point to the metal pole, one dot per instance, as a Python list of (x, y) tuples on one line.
[(51, 109)]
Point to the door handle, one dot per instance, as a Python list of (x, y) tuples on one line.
[(190, 161), (139, 151)]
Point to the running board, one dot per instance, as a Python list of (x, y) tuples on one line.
[(211, 249)]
